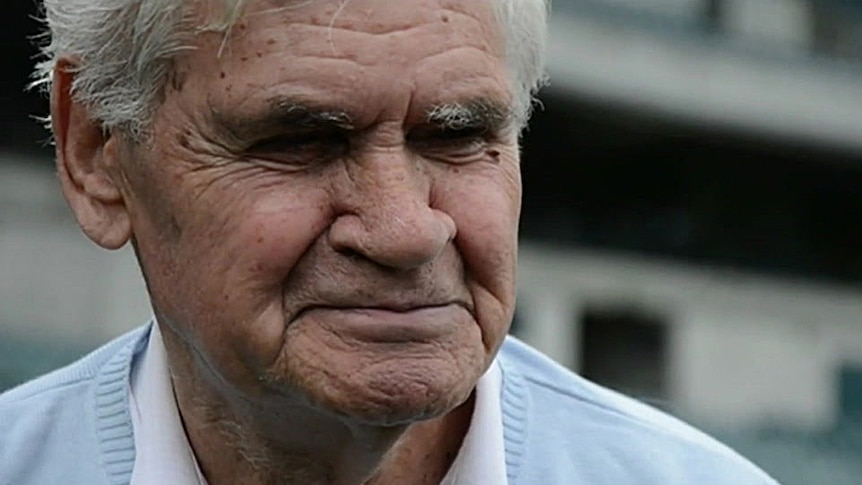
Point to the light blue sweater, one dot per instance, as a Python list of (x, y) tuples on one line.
[(73, 427)]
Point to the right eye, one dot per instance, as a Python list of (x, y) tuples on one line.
[(300, 149)]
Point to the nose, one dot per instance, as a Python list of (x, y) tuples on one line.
[(388, 217)]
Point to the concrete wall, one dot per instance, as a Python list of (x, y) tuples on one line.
[(744, 350), (751, 80), (775, 24), (54, 283)]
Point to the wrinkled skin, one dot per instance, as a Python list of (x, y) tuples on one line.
[(356, 271)]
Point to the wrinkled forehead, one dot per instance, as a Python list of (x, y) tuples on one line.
[(393, 55), (223, 15), (364, 31)]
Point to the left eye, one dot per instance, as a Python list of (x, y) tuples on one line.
[(466, 134), (457, 145)]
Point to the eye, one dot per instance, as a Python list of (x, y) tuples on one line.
[(453, 145), (300, 149), (464, 134)]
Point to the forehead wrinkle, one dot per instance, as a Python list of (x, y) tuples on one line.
[(370, 19), (353, 61), (362, 30), (369, 27), (453, 40), (295, 34), (471, 27), (449, 50)]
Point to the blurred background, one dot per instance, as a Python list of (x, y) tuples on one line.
[(692, 230)]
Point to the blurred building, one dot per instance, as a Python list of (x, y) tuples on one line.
[(723, 136), (691, 217), (691, 223)]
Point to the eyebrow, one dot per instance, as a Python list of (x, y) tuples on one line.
[(480, 113), (283, 114), (291, 114)]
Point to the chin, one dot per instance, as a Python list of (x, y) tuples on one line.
[(400, 401), (359, 377), (395, 393)]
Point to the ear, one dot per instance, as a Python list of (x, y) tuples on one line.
[(88, 164)]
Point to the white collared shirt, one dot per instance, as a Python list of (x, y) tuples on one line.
[(162, 451), (163, 454), (481, 459)]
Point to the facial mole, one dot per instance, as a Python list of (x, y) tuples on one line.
[(445, 18), (222, 75), (270, 42)]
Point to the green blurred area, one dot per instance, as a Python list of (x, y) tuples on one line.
[(21, 360), (829, 457)]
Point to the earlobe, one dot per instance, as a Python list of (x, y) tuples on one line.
[(88, 165)]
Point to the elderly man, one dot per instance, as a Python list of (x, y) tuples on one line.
[(323, 197)]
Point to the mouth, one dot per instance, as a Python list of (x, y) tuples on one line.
[(400, 323), (405, 307)]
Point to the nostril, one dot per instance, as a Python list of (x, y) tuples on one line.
[(350, 253), (447, 223)]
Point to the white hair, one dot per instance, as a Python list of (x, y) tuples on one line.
[(123, 50)]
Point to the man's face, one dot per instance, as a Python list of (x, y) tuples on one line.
[(329, 208)]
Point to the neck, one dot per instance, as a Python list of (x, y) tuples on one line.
[(309, 448), (287, 441)]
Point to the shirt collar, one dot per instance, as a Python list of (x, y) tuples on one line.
[(163, 453), (162, 450), (482, 457)]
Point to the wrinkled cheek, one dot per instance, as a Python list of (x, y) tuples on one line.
[(487, 220), (258, 243), (486, 214), (254, 255), (229, 273), (273, 245)]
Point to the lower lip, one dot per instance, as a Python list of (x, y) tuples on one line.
[(387, 326)]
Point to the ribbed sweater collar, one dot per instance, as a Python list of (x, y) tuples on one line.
[(113, 421)]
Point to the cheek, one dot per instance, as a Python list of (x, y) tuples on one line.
[(277, 233), (237, 246), (486, 208), (229, 290), (254, 229)]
